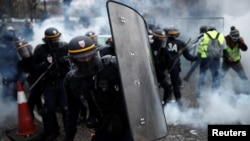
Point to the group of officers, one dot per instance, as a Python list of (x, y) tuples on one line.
[(82, 78), (79, 76)]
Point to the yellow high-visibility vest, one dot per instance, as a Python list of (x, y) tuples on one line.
[(202, 48), (234, 52)]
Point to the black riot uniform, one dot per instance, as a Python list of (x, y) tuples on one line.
[(50, 57), (25, 53), (161, 60), (109, 48), (97, 80), (176, 47)]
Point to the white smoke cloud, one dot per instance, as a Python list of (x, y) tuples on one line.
[(225, 107)]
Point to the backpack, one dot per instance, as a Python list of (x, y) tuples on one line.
[(214, 49)]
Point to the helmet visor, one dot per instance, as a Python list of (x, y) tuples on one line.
[(87, 65), (160, 42)]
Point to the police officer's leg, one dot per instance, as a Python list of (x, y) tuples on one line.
[(9, 90), (35, 99), (63, 101), (167, 95), (4, 91), (174, 76), (71, 117), (12, 90), (51, 127), (83, 110)]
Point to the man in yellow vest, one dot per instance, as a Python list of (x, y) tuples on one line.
[(232, 56), (209, 62)]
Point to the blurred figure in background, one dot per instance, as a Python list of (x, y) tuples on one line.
[(109, 48), (27, 31), (10, 70)]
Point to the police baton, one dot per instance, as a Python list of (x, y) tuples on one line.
[(41, 76)]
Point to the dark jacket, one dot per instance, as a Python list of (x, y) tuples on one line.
[(175, 48), (105, 101), (45, 55)]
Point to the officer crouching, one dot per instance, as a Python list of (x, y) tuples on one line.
[(97, 80)]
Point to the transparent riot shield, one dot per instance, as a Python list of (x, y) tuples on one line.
[(141, 92)]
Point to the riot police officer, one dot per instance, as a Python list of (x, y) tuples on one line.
[(161, 60), (25, 52), (51, 57), (10, 70), (97, 79), (109, 48), (176, 47)]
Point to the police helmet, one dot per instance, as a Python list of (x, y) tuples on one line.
[(159, 37), (109, 42), (173, 32), (81, 46), (159, 33), (51, 34), (85, 56), (18, 40), (9, 33), (92, 36), (24, 49)]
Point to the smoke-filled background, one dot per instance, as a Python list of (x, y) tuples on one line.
[(186, 15)]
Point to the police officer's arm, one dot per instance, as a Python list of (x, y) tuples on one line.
[(38, 63), (186, 53)]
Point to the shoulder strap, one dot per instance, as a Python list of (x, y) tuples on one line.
[(217, 35), (208, 35)]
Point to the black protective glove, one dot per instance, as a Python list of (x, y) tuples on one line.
[(196, 58), (43, 65), (63, 59), (91, 122)]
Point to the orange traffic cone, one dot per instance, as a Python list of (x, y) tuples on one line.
[(26, 126)]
